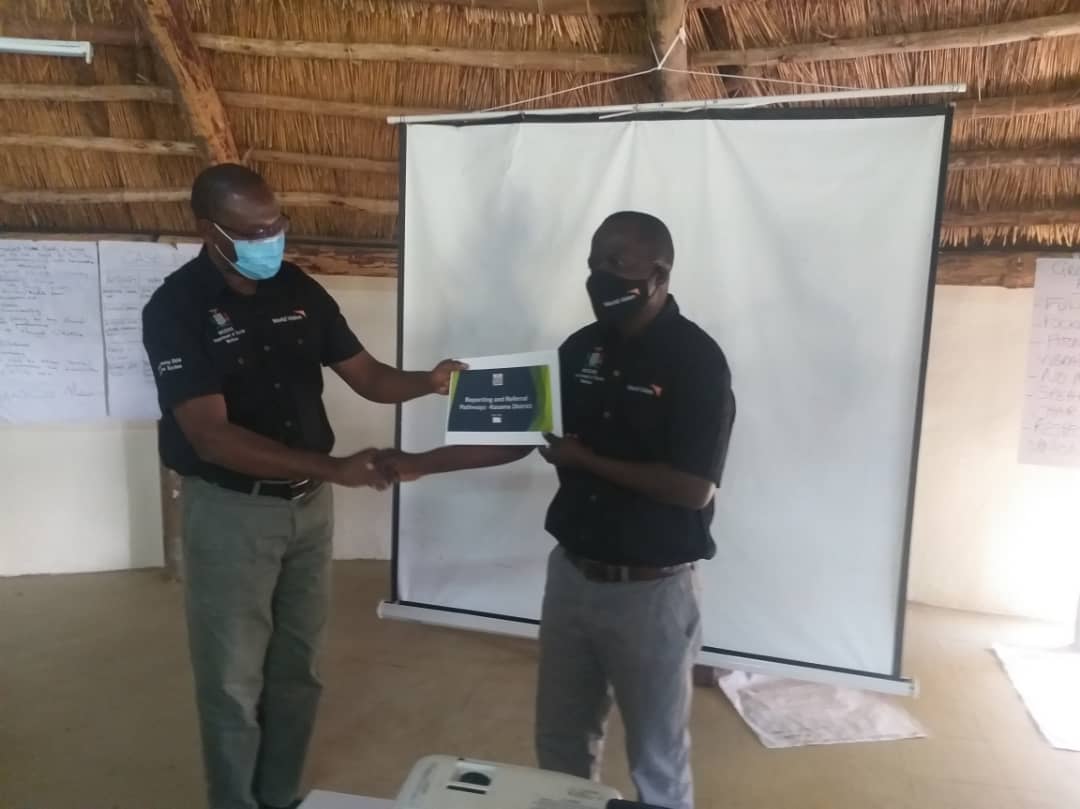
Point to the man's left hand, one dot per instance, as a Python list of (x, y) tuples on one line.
[(441, 373), (567, 451)]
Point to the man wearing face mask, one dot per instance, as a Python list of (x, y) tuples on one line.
[(648, 411), (237, 339)]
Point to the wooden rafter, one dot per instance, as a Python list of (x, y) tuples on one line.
[(95, 144), (966, 109), (426, 54), (947, 39), (86, 92), (1012, 218), (1014, 158), (1012, 106), (315, 106), (78, 93), (664, 19), (166, 28), (115, 196), (566, 61), (190, 149), (977, 36)]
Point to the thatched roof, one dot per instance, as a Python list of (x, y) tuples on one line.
[(1028, 200)]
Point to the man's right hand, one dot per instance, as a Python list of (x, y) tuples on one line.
[(397, 466), (360, 469)]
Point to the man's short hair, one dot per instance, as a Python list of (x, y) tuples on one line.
[(214, 183), (651, 233)]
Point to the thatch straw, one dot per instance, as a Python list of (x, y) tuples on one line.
[(1000, 71)]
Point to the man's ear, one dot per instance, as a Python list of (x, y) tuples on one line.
[(663, 273)]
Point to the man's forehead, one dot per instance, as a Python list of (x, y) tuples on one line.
[(248, 206), (612, 240)]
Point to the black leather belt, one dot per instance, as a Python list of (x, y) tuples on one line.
[(603, 572), (281, 489)]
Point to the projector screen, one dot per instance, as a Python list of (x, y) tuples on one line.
[(805, 243)]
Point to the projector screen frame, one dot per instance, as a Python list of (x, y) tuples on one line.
[(496, 623)]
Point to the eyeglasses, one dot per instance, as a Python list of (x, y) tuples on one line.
[(279, 228)]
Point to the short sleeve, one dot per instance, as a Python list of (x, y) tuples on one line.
[(181, 366), (702, 417), (339, 343)]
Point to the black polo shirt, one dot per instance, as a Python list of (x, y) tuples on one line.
[(264, 353), (661, 396)]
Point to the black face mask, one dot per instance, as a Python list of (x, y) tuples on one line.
[(614, 299)]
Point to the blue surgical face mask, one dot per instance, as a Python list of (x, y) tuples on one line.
[(257, 259)]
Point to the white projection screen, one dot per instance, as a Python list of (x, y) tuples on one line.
[(805, 244)]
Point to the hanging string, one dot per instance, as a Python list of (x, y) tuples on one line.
[(661, 66)]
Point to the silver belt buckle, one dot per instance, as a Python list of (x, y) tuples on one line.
[(298, 484)]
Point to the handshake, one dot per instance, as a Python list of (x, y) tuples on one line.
[(377, 468)]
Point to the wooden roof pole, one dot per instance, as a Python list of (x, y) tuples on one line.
[(665, 21), (166, 27), (169, 35)]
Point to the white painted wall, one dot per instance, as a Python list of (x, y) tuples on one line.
[(990, 534), (85, 497)]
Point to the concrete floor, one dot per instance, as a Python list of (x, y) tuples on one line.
[(96, 710)]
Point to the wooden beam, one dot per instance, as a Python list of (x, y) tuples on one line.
[(310, 199), (121, 196), (86, 92), (362, 164), (167, 29), (568, 62), (565, 61), (93, 196), (976, 36), (986, 268), (965, 109), (315, 106), (92, 144), (368, 262), (664, 19), (163, 95), (1015, 218), (83, 32), (187, 149), (969, 109), (1014, 159)]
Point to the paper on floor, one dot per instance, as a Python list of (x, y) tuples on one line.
[(1048, 681), (789, 713)]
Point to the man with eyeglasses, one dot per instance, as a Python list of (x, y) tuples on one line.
[(237, 339)]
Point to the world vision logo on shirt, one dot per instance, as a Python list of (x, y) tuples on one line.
[(648, 390), (292, 317), (629, 296)]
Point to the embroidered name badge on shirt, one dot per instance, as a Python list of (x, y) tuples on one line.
[(590, 373), (226, 332)]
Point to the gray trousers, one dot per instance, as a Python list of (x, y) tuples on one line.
[(636, 640), (257, 581)]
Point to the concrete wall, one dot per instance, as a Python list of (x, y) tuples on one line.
[(990, 534)]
